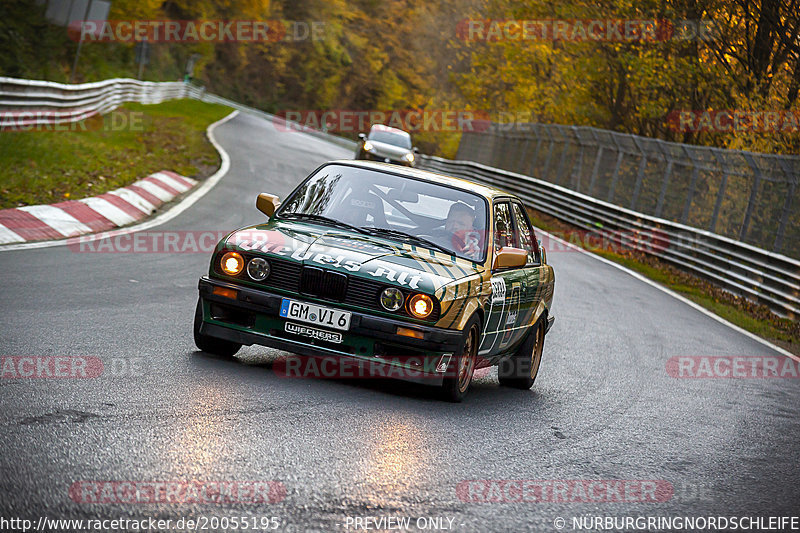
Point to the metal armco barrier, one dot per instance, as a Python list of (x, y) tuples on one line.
[(765, 277), (747, 196), (29, 103), (26, 103)]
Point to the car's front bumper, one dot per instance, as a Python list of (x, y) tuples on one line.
[(372, 342)]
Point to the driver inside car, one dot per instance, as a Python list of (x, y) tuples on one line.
[(459, 231)]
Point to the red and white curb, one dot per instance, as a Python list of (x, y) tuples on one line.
[(91, 215)]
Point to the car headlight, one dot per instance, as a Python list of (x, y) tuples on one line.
[(392, 299), (420, 305), (409, 157), (232, 263), (368, 146), (258, 269)]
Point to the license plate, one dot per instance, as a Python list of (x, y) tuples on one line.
[(315, 314), (314, 333)]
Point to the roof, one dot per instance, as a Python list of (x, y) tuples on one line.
[(381, 127), (427, 175)]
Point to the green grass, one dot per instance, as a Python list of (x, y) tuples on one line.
[(94, 157), (752, 317)]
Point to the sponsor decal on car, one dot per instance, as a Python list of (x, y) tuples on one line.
[(314, 333)]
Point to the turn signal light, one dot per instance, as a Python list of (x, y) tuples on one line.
[(222, 291), (406, 332)]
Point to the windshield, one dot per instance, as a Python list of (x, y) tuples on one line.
[(394, 207), (397, 139)]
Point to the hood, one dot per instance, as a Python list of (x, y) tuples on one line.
[(388, 150), (364, 256)]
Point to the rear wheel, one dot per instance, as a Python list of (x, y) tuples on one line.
[(208, 344), (462, 365), (521, 369)]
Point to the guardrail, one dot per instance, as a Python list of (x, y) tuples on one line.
[(32, 102), (747, 196), (765, 277)]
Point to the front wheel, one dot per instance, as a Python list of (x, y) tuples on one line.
[(462, 365), (208, 344), (521, 369)]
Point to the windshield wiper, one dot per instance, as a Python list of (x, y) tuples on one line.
[(407, 236), (321, 218)]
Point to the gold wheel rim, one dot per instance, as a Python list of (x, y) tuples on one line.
[(466, 363), (536, 354)]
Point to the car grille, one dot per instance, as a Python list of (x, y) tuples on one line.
[(293, 278), (323, 283), (284, 275)]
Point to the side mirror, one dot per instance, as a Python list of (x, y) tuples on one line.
[(415, 150), (362, 136), (267, 203), (542, 253), (508, 257)]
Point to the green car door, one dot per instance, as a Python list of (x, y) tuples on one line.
[(509, 305)]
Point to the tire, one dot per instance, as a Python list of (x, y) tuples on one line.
[(459, 372), (521, 369), (212, 345)]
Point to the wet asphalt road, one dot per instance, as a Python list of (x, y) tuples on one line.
[(603, 407)]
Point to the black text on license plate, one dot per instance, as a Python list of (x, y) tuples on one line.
[(315, 314), (314, 333)]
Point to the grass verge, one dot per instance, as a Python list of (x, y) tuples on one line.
[(755, 318), (103, 153)]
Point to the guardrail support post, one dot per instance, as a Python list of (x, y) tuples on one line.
[(690, 195), (787, 208), (615, 177), (595, 169), (718, 204), (639, 178), (664, 184), (753, 194)]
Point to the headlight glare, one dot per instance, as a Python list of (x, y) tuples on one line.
[(232, 263), (258, 269), (391, 299), (368, 146), (420, 305), (409, 157)]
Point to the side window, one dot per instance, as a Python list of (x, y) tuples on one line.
[(503, 226), (527, 240)]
